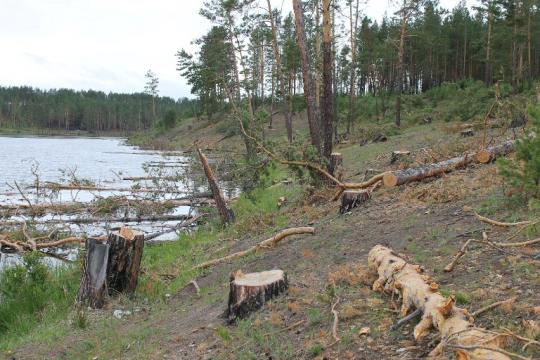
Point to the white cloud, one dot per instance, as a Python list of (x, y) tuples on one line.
[(105, 44)]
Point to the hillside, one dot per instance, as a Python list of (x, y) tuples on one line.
[(426, 221)]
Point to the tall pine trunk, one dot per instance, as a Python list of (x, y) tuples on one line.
[(312, 112), (328, 96)]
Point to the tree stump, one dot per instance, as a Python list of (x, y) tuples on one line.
[(398, 155), (379, 137), (336, 166), (93, 288), (428, 120), (352, 198), (126, 249), (467, 133), (249, 292)]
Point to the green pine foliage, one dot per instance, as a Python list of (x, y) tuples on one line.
[(523, 173)]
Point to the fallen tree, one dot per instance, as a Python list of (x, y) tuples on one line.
[(266, 244), (418, 291), (91, 220), (400, 177)]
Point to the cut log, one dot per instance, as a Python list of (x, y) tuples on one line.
[(418, 291), (93, 288), (92, 220), (336, 166), (467, 132), (125, 253), (249, 292), (226, 214), (398, 155), (400, 177), (491, 153), (352, 198)]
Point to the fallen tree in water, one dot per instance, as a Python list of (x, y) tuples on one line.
[(419, 291), (92, 220)]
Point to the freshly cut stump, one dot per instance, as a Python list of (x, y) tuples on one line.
[(353, 198), (336, 166), (249, 292), (399, 155)]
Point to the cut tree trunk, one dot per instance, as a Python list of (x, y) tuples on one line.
[(491, 153), (400, 177), (226, 214), (93, 288), (352, 198), (418, 291), (398, 155), (336, 166), (467, 133), (126, 249), (249, 292)]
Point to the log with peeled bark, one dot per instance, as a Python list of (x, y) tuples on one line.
[(93, 288), (225, 213), (419, 291), (400, 177), (249, 292), (126, 249)]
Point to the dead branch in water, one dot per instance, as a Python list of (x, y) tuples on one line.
[(266, 244), (92, 220), (185, 223)]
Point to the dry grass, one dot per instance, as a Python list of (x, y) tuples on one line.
[(353, 274)]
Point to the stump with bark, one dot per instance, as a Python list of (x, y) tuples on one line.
[(249, 292), (111, 266), (126, 249), (467, 132), (398, 155), (93, 288), (352, 198), (336, 166)]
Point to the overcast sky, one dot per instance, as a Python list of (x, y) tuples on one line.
[(106, 45)]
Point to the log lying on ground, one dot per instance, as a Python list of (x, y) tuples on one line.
[(400, 177), (226, 214), (418, 291), (93, 288), (491, 153), (249, 292), (268, 243)]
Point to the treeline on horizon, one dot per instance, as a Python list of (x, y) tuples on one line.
[(89, 110), (419, 47)]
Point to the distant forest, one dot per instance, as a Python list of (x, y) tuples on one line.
[(94, 111)]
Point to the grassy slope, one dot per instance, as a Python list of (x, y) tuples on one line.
[(424, 220)]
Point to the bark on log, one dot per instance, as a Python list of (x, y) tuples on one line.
[(93, 288), (418, 291), (249, 292), (491, 153), (400, 177), (336, 166), (125, 253), (467, 133), (226, 214)]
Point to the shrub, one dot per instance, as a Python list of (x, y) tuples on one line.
[(32, 292), (523, 173)]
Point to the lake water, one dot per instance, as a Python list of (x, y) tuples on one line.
[(103, 162)]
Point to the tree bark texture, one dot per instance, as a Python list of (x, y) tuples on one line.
[(93, 288)]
